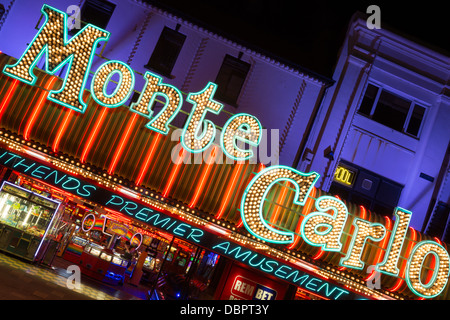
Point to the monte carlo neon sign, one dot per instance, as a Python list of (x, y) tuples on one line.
[(322, 228)]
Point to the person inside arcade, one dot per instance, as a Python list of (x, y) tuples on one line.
[(130, 252)]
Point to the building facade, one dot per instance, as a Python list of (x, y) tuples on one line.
[(337, 169), (385, 118), (141, 36)]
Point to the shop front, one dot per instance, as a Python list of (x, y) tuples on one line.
[(26, 221), (117, 239), (106, 245)]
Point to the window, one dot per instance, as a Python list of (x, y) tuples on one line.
[(392, 110), (166, 51), (363, 187), (96, 12), (230, 79)]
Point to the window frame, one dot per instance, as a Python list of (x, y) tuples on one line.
[(412, 103), (165, 73), (223, 97), (2, 11), (352, 192)]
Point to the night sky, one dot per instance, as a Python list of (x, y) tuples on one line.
[(309, 34)]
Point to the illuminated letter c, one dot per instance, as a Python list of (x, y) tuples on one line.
[(255, 193)]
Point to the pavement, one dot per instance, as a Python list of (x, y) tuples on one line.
[(22, 280)]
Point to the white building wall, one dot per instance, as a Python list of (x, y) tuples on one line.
[(404, 68)]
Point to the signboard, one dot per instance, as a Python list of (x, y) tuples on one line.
[(163, 221), (322, 228)]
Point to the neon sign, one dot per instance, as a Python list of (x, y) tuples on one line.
[(51, 42), (184, 230), (344, 175), (281, 271), (78, 52), (323, 228), (247, 289), (256, 192), (47, 174)]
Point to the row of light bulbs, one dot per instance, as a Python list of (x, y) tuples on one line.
[(152, 89), (364, 230), (192, 216), (201, 102), (123, 88), (415, 272), (235, 129), (312, 223), (255, 194)]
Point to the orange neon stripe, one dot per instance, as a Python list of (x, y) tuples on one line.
[(30, 105), (86, 131), (397, 285), (150, 140), (44, 123), (115, 139), (62, 129), (8, 96), (209, 183), (369, 277), (230, 188), (260, 168), (123, 141), (205, 173), (149, 157), (38, 107), (306, 209), (174, 172), (319, 254), (134, 139), (364, 212), (93, 135)]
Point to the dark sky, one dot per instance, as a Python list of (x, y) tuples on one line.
[(309, 33)]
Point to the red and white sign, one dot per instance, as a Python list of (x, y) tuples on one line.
[(243, 284)]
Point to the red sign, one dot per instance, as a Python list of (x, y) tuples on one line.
[(243, 284)]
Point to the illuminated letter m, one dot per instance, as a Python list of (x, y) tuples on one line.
[(77, 53)]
